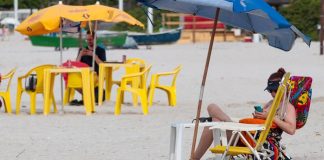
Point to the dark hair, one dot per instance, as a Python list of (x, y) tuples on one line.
[(92, 33), (277, 75)]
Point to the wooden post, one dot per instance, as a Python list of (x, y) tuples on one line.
[(211, 43), (194, 29), (322, 25)]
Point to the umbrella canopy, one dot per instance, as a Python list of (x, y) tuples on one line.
[(48, 19), (253, 15), (9, 20)]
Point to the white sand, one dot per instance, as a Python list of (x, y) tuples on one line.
[(237, 77)]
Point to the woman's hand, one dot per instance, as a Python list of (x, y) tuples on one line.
[(260, 115)]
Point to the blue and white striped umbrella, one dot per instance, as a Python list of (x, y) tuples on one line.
[(253, 15)]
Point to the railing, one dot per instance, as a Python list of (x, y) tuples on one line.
[(193, 24)]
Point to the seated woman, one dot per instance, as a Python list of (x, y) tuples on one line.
[(285, 122)]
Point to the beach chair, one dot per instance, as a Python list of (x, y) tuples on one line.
[(240, 129), (36, 76), (169, 89), (72, 80), (5, 89), (140, 91), (134, 82), (75, 82)]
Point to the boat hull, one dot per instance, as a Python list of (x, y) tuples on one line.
[(157, 38), (111, 40)]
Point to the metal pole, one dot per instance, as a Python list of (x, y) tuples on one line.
[(121, 4), (61, 61), (94, 46), (322, 25), (80, 33), (16, 9), (193, 146), (149, 24)]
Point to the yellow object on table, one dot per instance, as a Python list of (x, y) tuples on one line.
[(87, 88), (105, 71)]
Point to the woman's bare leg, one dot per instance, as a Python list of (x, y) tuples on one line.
[(206, 138)]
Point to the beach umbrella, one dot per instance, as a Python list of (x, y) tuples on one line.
[(9, 20), (252, 15), (51, 19)]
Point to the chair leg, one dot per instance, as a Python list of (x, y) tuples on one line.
[(54, 103), (32, 103), (151, 95), (18, 101), (66, 96), (6, 99), (118, 101), (122, 97), (144, 104), (172, 97)]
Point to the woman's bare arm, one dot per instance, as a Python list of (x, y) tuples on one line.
[(289, 123)]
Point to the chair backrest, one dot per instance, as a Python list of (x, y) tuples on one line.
[(39, 71), (8, 78), (144, 76), (272, 112), (73, 80), (300, 98), (176, 72), (138, 61)]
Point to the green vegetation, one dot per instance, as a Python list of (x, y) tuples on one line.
[(304, 14)]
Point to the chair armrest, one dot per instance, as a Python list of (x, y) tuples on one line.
[(164, 73), (237, 126), (133, 75)]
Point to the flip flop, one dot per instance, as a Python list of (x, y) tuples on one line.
[(74, 102)]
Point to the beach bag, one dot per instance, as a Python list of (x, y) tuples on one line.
[(30, 83), (300, 98)]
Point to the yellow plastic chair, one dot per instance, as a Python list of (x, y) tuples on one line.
[(169, 89), (5, 94), (238, 128), (39, 71), (138, 91), (134, 82), (75, 82), (131, 70)]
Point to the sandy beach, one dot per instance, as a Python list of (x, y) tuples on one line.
[(236, 80)]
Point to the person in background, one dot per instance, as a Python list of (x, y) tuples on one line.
[(85, 55)]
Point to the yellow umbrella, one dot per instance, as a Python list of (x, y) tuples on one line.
[(48, 20)]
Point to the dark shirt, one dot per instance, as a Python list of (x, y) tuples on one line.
[(100, 52)]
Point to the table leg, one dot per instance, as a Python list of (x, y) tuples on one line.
[(85, 75), (178, 150), (173, 139), (92, 74), (47, 81), (108, 82), (101, 81)]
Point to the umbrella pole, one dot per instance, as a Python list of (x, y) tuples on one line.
[(193, 146), (61, 61), (94, 45)]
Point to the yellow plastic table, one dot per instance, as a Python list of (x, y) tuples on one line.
[(105, 71), (87, 89)]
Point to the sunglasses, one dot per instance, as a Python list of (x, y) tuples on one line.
[(204, 119), (270, 90)]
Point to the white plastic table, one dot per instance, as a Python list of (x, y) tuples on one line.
[(177, 136)]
